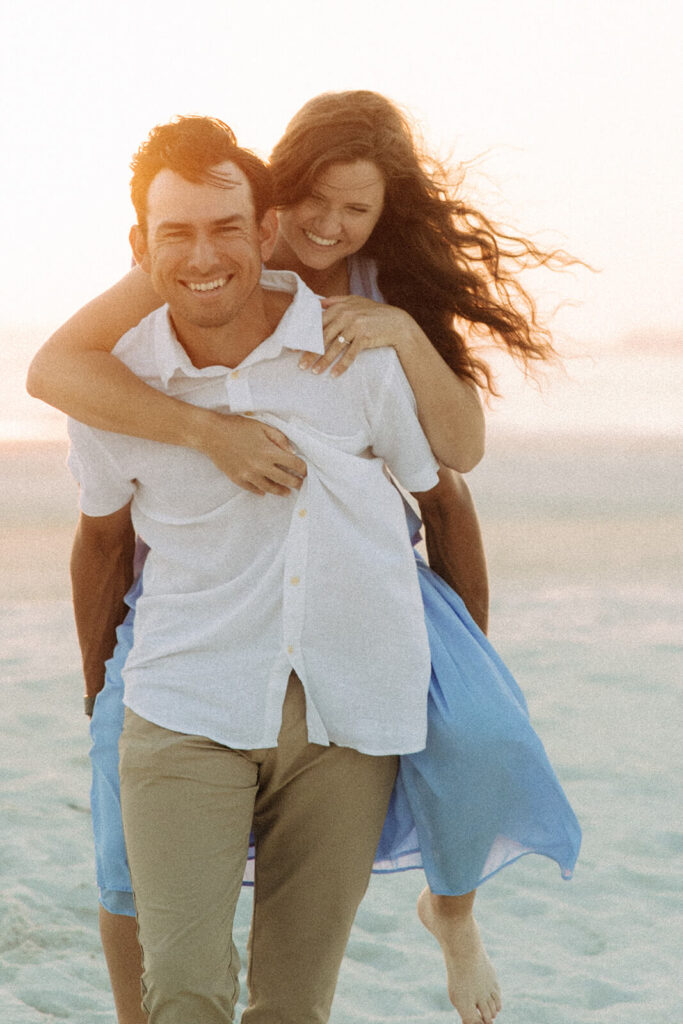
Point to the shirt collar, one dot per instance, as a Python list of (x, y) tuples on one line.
[(300, 329)]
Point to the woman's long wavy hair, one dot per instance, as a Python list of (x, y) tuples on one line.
[(437, 257)]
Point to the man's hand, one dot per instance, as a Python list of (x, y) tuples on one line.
[(255, 456)]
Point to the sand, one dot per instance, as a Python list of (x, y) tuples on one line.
[(585, 611)]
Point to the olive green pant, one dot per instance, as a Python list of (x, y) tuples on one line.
[(189, 805)]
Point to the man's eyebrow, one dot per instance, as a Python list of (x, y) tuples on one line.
[(171, 225), (234, 218), (176, 225)]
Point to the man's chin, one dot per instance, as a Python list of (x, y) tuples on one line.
[(205, 317)]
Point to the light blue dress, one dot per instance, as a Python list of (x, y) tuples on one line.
[(482, 793), (479, 796)]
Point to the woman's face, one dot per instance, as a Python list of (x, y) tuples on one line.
[(338, 216)]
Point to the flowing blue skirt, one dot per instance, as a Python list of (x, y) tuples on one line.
[(482, 793)]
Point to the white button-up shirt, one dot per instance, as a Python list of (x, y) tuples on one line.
[(238, 589)]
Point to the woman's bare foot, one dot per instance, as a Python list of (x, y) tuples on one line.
[(472, 983)]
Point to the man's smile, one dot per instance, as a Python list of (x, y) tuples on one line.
[(206, 286)]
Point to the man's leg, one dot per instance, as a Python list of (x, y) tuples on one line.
[(118, 927), (187, 811), (318, 818)]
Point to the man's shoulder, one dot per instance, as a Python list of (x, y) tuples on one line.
[(139, 347), (378, 376), (378, 368)]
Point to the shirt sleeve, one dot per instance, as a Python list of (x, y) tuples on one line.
[(103, 485), (396, 434)]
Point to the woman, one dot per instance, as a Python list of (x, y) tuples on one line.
[(363, 222)]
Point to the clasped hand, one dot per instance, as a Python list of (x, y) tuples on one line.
[(255, 456), (260, 458)]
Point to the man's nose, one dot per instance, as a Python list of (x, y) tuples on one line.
[(203, 255)]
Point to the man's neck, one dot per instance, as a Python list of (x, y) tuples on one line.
[(229, 344)]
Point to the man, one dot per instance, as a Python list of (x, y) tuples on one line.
[(280, 660)]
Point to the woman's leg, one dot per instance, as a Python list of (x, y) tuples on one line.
[(124, 963), (456, 553), (118, 927), (472, 983)]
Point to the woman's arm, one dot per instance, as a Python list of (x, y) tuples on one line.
[(449, 407), (454, 543), (70, 370), (75, 371)]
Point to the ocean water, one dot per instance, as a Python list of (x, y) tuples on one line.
[(583, 535), (626, 390)]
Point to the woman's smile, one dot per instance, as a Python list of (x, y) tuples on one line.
[(318, 240)]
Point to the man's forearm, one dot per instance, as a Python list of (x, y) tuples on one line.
[(454, 542), (101, 574)]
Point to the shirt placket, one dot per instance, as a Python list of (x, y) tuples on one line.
[(294, 598), (239, 392), (295, 579)]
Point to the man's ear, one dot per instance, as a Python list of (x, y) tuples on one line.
[(268, 234), (138, 243)]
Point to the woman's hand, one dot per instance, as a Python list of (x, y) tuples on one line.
[(448, 406), (352, 323), (255, 456)]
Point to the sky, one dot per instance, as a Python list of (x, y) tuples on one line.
[(568, 111)]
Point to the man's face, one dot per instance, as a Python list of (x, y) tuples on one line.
[(203, 248)]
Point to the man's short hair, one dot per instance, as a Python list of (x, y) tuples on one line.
[(192, 146)]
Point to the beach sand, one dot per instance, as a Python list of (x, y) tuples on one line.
[(583, 540)]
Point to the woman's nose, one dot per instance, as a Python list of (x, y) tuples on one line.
[(328, 223)]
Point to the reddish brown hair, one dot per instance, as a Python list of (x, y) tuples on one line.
[(438, 258), (192, 146)]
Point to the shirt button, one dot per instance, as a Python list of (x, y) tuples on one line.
[(303, 512), (235, 374), (290, 649), (294, 580), (250, 413)]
